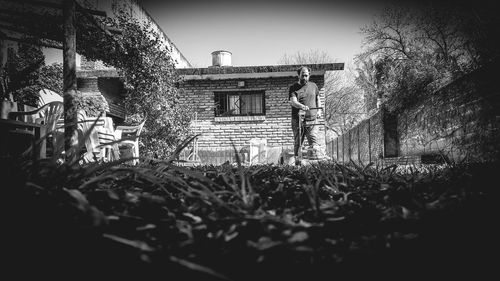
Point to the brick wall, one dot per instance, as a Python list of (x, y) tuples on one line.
[(106, 83), (219, 133), (459, 121)]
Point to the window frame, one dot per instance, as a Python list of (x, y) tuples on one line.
[(224, 94)]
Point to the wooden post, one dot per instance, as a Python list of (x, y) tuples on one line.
[(69, 73)]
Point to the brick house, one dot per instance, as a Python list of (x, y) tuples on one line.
[(246, 106)]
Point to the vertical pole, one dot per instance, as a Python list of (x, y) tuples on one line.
[(343, 149), (69, 73), (3, 53), (349, 152), (369, 142), (337, 149), (333, 157), (359, 147)]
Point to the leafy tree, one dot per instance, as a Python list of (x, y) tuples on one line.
[(150, 79), (21, 73), (51, 77), (25, 74)]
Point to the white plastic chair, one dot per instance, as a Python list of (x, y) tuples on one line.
[(99, 141), (48, 116), (129, 139)]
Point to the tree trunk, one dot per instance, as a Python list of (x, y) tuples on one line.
[(69, 87)]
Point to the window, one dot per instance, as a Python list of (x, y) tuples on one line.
[(240, 103)]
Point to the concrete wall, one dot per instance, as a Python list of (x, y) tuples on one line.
[(363, 144)]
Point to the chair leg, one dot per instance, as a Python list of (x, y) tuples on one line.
[(136, 154), (105, 154)]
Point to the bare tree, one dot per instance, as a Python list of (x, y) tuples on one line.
[(409, 49), (390, 35), (311, 56), (345, 109)]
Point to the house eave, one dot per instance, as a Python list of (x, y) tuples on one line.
[(251, 72), (247, 75)]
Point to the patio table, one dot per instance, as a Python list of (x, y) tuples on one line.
[(9, 129)]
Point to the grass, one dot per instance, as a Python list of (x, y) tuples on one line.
[(265, 222)]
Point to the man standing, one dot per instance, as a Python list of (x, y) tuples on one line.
[(304, 95)]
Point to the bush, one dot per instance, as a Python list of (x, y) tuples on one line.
[(93, 105)]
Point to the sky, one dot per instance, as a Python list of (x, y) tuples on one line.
[(261, 32)]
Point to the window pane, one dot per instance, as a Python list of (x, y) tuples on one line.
[(239, 103), (246, 104), (234, 105), (251, 104), (220, 104), (258, 103)]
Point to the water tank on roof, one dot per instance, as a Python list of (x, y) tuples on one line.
[(221, 58)]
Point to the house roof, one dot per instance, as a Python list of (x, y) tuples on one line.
[(230, 72)]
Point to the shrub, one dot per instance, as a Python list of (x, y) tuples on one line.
[(93, 105)]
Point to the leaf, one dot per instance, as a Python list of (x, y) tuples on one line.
[(335, 219), (146, 227), (230, 236), (303, 249), (195, 219), (197, 267), (134, 244), (298, 237), (304, 224), (384, 186), (80, 201), (264, 243)]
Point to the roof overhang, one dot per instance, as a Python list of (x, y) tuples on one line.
[(248, 75), (254, 72)]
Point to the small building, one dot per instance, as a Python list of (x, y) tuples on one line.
[(245, 107)]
